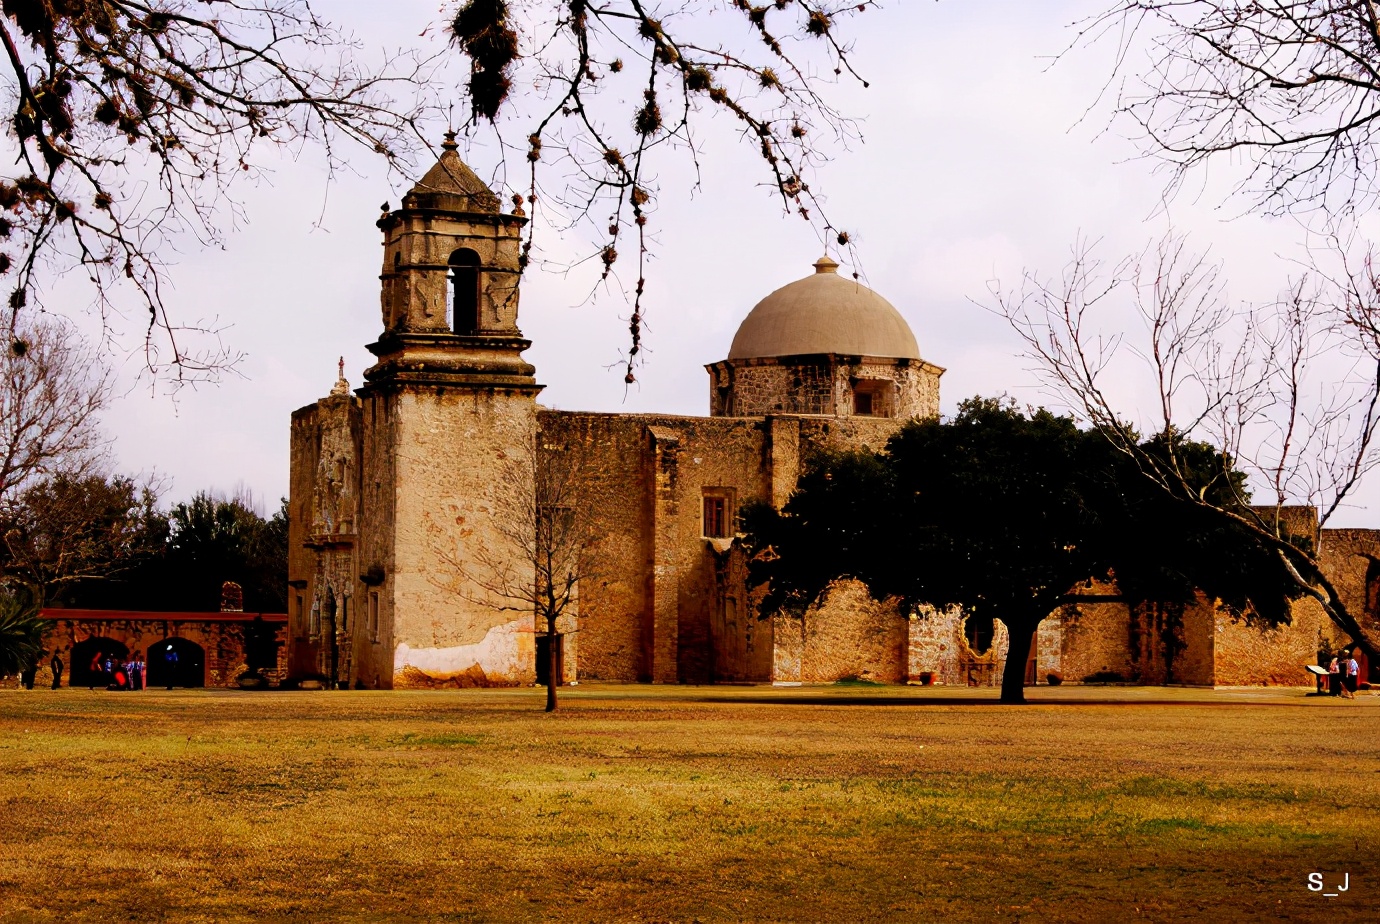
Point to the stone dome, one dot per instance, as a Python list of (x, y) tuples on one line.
[(824, 313)]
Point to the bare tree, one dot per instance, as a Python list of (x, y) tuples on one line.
[(132, 120), (1291, 86), (53, 387), (1296, 405), (610, 85), (67, 530), (547, 534)]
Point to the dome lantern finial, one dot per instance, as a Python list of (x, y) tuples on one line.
[(449, 144), (826, 265)]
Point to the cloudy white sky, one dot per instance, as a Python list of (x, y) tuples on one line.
[(974, 166)]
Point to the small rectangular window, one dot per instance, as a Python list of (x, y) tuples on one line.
[(717, 521), (874, 398), (374, 616)]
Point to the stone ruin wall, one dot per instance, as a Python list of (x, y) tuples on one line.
[(849, 635), (937, 646), (1351, 560), (1095, 640), (1251, 655)]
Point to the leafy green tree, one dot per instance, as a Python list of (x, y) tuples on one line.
[(1002, 514), (190, 552), (213, 540)]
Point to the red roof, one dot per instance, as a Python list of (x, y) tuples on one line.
[(151, 616)]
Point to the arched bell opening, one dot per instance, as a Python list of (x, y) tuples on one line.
[(464, 278)]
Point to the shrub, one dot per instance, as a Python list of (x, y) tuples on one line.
[(1104, 677), (21, 635), (1054, 679)]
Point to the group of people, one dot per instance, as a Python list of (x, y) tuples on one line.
[(1343, 674), (114, 672), (119, 674)]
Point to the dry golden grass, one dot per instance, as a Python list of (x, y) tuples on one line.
[(717, 804)]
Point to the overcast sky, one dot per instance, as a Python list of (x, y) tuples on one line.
[(974, 166)]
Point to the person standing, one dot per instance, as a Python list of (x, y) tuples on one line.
[(170, 664), (56, 666), (1334, 676), (1352, 676)]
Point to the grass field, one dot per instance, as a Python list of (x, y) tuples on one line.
[(640, 803)]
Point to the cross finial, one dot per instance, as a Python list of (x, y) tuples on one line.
[(342, 387)]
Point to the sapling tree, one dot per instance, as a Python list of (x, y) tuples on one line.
[(546, 537)]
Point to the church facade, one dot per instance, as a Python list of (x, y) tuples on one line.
[(399, 487)]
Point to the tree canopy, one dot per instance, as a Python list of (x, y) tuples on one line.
[(1002, 513), (101, 543)]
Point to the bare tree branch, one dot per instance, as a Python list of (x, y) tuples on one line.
[(611, 85), (133, 120), (1294, 406), (1291, 86)]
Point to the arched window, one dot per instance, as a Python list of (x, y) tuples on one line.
[(464, 276), (176, 662)]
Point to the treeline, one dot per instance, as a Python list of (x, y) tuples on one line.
[(97, 542)]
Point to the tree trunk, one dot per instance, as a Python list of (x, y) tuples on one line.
[(1019, 639), (553, 677)]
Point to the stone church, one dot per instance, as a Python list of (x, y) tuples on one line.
[(395, 489)]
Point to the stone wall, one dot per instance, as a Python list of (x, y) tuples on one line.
[(666, 603), (1249, 654), (1351, 560), (934, 645), (820, 385), (848, 635), (656, 605), (1096, 640), (462, 461), (323, 527), (220, 636), (375, 552), (755, 388)]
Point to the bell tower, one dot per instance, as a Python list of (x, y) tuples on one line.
[(450, 284), (448, 419)]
